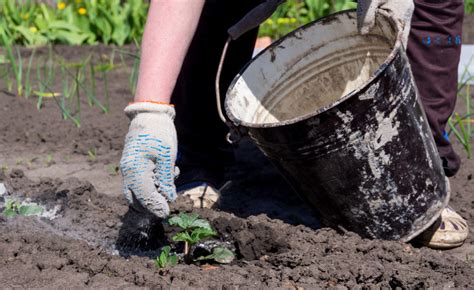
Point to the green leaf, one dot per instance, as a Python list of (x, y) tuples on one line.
[(32, 38), (201, 233), (165, 259), (9, 203), (220, 255), (72, 38), (191, 221), (200, 223), (172, 260), (182, 237), (9, 213), (30, 209), (63, 25), (183, 220)]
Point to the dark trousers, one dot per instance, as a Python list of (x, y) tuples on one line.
[(201, 134), (434, 49)]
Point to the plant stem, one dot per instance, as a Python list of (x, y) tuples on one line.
[(106, 88), (92, 79), (186, 248), (78, 95), (28, 72)]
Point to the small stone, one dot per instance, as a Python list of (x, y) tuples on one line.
[(110, 223), (263, 258), (3, 189)]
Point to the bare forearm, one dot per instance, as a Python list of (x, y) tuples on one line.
[(168, 32)]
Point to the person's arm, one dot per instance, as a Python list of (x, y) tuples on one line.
[(149, 154), (168, 32)]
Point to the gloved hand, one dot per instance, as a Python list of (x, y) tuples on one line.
[(148, 158), (400, 10)]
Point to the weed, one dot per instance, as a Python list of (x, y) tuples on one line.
[(14, 208)]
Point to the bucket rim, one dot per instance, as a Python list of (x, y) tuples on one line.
[(390, 58)]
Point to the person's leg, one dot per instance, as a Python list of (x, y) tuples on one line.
[(434, 48), (203, 151)]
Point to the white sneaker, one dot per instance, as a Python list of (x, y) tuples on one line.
[(449, 231), (202, 194)]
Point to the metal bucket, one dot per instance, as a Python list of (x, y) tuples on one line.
[(338, 114)]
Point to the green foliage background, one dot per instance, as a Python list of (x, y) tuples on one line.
[(76, 22), (294, 13), (73, 22)]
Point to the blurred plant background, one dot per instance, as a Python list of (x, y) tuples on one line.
[(76, 22), (35, 23), (72, 22), (469, 6), (294, 13)]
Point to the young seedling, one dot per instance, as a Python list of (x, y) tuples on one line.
[(113, 169), (92, 154), (17, 67), (14, 208), (105, 68), (49, 159), (6, 73), (28, 88), (166, 260), (4, 168), (193, 230)]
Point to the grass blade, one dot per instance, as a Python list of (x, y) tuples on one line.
[(28, 73)]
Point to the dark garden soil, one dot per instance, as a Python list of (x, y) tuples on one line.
[(94, 240)]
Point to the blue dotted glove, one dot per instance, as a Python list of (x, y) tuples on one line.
[(148, 158)]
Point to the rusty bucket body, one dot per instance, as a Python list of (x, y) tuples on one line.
[(338, 115)]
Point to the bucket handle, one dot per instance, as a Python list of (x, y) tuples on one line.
[(251, 20), (235, 134)]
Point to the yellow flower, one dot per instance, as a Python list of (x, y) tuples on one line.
[(61, 5), (283, 21), (78, 1), (269, 21), (292, 20), (25, 16), (33, 29), (82, 11)]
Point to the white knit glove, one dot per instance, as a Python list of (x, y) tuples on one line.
[(148, 158), (400, 10)]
